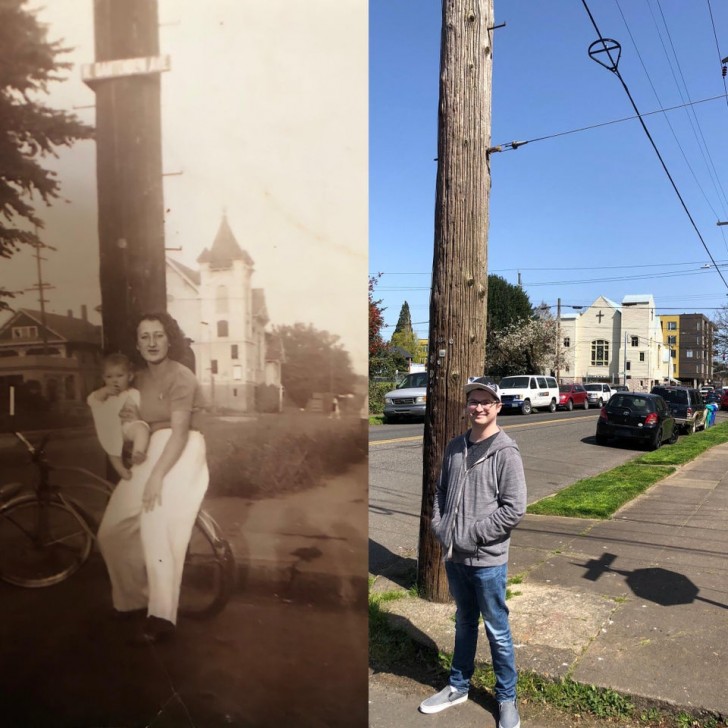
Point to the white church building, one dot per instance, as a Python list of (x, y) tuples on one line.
[(615, 342), (225, 318)]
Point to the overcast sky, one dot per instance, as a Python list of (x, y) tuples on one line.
[(265, 114)]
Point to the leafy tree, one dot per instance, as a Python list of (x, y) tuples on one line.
[(376, 320), (406, 340), (509, 310), (526, 347), (720, 342), (29, 130), (314, 361)]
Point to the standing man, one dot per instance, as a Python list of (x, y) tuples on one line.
[(480, 498)]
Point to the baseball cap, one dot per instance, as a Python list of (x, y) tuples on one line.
[(483, 384)]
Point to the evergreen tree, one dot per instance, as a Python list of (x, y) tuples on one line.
[(508, 304), (404, 323), (29, 130)]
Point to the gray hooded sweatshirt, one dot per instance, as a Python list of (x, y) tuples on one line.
[(475, 508)]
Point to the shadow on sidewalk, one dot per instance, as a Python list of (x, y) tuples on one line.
[(661, 586), (398, 569)]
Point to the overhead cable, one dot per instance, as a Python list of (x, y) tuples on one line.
[(616, 72)]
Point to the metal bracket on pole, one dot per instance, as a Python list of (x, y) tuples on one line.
[(608, 46)]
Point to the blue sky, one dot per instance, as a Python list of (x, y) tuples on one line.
[(581, 214)]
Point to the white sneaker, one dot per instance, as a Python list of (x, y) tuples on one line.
[(446, 698)]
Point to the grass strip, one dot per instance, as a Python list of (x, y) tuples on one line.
[(601, 495)]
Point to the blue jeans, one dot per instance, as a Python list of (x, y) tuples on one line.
[(481, 590)]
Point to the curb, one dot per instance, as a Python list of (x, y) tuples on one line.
[(290, 583)]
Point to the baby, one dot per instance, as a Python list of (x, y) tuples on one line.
[(106, 404)]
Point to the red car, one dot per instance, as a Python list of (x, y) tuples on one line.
[(573, 395), (724, 400)]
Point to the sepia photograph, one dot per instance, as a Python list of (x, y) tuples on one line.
[(183, 363)]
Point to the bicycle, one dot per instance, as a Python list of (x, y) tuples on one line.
[(46, 536)]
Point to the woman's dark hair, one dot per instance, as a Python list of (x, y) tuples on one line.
[(178, 344)]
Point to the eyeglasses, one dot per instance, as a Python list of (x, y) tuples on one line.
[(473, 405)]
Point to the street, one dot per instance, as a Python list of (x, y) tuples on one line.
[(558, 449)]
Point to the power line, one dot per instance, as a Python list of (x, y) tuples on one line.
[(669, 123), (709, 161), (717, 47), (615, 70), (510, 146)]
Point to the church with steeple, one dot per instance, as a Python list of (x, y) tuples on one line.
[(225, 318)]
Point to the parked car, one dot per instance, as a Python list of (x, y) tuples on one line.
[(724, 399), (712, 398), (687, 406), (409, 400), (645, 418), (706, 389), (526, 392), (573, 395), (619, 388), (599, 393)]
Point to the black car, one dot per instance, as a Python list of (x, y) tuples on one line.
[(645, 418), (687, 405)]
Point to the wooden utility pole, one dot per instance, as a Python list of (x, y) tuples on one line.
[(126, 79), (458, 301)]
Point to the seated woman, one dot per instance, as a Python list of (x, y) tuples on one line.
[(147, 525)]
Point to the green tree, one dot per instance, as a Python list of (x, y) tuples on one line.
[(30, 131), (404, 322), (314, 361), (509, 310)]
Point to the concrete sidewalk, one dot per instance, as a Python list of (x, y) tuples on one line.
[(309, 545), (637, 603)]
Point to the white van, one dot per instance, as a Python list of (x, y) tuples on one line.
[(526, 392)]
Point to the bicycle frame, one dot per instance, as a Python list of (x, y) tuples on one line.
[(51, 495), (45, 488)]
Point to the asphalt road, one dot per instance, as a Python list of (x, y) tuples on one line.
[(557, 449)]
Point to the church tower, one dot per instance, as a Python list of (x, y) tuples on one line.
[(226, 305)]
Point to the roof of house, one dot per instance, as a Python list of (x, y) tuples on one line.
[(59, 328), (639, 298), (225, 249), (192, 275)]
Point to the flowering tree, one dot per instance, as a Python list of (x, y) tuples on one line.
[(525, 347)]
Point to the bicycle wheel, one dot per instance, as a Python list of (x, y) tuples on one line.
[(42, 542), (208, 577)]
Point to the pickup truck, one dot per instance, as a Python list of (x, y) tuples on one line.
[(598, 393)]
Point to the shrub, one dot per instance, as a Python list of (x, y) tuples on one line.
[(270, 454), (377, 390)]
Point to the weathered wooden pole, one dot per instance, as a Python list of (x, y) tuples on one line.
[(459, 270), (126, 79)]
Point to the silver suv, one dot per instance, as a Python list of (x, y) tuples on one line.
[(408, 401)]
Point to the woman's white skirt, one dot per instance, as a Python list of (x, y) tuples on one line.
[(144, 551)]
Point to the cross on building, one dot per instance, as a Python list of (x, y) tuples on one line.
[(599, 316)]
